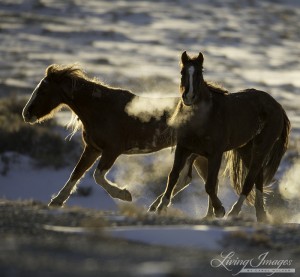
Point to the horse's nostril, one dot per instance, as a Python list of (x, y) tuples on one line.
[(26, 114)]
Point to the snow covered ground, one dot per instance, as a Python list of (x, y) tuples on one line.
[(199, 236), (136, 45)]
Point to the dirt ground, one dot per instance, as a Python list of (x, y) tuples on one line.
[(32, 246)]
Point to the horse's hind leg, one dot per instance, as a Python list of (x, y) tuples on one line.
[(87, 159), (262, 144), (254, 169), (259, 201), (106, 162)]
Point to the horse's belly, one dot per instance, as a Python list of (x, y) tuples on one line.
[(148, 141), (241, 136), (136, 150), (201, 145)]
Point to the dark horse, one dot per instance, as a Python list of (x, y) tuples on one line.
[(111, 126), (210, 122)]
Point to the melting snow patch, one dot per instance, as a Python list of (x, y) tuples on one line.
[(204, 237), (200, 236)]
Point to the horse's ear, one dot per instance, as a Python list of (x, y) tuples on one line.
[(200, 58), (184, 58)]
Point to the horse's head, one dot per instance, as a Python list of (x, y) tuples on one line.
[(49, 94), (191, 77)]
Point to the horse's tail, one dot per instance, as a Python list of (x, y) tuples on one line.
[(273, 159), (238, 171)]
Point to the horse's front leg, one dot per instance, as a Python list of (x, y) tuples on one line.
[(181, 156), (210, 209), (106, 162), (214, 163), (201, 166), (184, 180), (86, 160)]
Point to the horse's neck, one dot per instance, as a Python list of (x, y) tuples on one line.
[(90, 94), (205, 92), (80, 102)]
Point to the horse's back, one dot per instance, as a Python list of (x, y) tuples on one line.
[(262, 97), (132, 123), (256, 100), (247, 112)]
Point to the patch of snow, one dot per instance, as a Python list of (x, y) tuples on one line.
[(200, 236), (24, 181)]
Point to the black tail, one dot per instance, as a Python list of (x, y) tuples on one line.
[(238, 171)]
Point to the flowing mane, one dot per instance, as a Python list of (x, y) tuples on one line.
[(77, 75), (216, 88), (73, 71)]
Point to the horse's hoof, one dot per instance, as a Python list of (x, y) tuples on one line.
[(220, 212), (262, 217), (162, 206), (126, 195), (152, 209), (160, 209), (55, 204), (233, 212), (208, 217)]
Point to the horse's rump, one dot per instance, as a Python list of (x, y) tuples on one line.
[(238, 170)]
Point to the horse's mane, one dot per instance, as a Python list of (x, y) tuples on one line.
[(216, 88), (72, 71), (75, 73)]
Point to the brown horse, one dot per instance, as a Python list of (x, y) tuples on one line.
[(210, 122), (111, 126)]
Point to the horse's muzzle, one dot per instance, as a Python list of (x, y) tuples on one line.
[(28, 118), (188, 101)]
